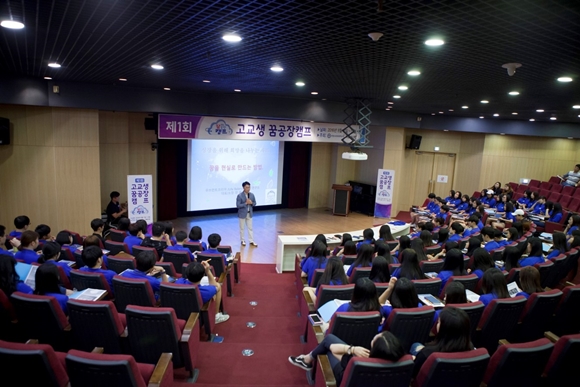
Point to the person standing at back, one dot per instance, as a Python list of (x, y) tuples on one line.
[(245, 203)]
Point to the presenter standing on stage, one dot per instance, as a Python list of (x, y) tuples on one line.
[(245, 203)]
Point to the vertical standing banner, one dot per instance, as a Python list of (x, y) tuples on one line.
[(140, 189), (384, 195)]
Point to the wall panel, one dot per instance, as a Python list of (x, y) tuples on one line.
[(320, 175)]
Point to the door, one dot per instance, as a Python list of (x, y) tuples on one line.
[(433, 173), (443, 169)]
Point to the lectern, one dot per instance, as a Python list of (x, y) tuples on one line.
[(341, 202)]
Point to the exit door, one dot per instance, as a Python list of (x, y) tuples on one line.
[(433, 173)]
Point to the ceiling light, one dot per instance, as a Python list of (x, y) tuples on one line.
[(465, 107), (481, 117), (451, 110), (54, 65), (434, 42), (314, 92), (166, 88), (403, 87), (47, 77), (432, 114), (390, 102), (515, 114), (576, 107), (324, 99), (276, 69), (553, 118), (206, 81), (532, 119), (496, 115), (514, 93), (564, 79), (231, 38), (570, 138), (375, 36), (511, 68), (237, 90), (396, 96), (123, 79), (502, 134), (157, 67), (484, 101), (11, 24), (440, 112), (300, 83), (540, 110), (414, 73)]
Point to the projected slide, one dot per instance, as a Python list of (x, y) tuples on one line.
[(217, 169)]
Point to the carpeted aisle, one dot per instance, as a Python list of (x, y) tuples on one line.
[(273, 339)]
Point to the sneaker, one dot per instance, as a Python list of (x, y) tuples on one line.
[(243, 243), (254, 244), (220, 318), (299, 362)]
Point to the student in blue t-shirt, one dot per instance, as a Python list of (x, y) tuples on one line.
[(555, 215), (3, 242), (525, 200), (482, 261), (530, 281), (93, 240), (493, 286), (463, 204), (535, 253), (401, 293), (364, 258), (573, 224), (21, 223), (10, 282), (560, 245), (364, 298), (169, 231), (452, 266), (47, 284), (65, 240), (50, 256), (333, 275), (146, 269), (316, 260), (135, 237), (488, 234), (455, 232), (368, 236), (488, 201), (193, 275), (214, 241), (195, 235), (539, 207), (180, 238), (93, 258), (28, 243)]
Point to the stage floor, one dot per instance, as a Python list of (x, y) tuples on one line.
[(269, 224)]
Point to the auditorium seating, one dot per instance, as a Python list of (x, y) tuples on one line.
[(358, 273), (433, 266), (117, 236), (129, 291), (450, 369), (355, 328), (567, 313), (84, 279), (178, 258), (120, 264), (217, 262), (410, 325), (499, 321), (562, 364), (537, 315), (138, 249), (469, 282), (116, 247), (428, 286)]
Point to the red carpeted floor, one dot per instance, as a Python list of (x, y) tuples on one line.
[(274, 338)]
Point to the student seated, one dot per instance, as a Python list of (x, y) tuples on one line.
[(560, 245), (65, 240), (444, 212), (28, 243), (482, 261), (98, 227), (21, 223), (452, 266), (346, 237), (333, 275), (493, 286), (364, 258), (529, 281), (409, 268), (463, 205), (124, 224), (382, 250), (146, 269), (509, 216), (454, 294), (443, 236), (10, 281), (400, 294), (453, 200), (349, 248), (573, 224), (143, 227), (432, 207), (511, 257), (214, 241), (317, 260), (50, 256), (320, 238), (368, 238), (472, 244), (488, 234), (380, 270), (539, 207), (194, 273), (385, 234), (180, 238), (525, 200), (43, 232), (364, 298), (455, 232), (3, 242), (195, 235), (404, 243), (93, 259), (135, 237), (48, 284), (488, 201), (384, 346), (169, 231), (535, 253), (419, 247), (159, 241), (93, 240)]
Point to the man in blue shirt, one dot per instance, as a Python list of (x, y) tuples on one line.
[(146, 269), (214, 241), (180, 237), (21, 223), (135, 237), (3, 242), (93, 259), (455, 232), (488, 234), (193, 275), (29, 242)]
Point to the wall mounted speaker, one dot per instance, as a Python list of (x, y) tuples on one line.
[(415, 142)]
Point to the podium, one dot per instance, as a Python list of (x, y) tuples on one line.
[(341, 199)]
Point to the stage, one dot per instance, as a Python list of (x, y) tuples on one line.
[(268, 225)]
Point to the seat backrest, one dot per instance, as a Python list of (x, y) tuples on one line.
[(554, 197), (381, 287), (169, 269), (469, 282), (77, 239), (435, 249), (116, 247), (359, 272), (513, 185), (66, 254), (518, 364), (129, 291), (534, 183), (514, 275), (32, 364), (193, 246), (7, 313), (393, 267), (153, 331), (178, 258), (78, 258), (558, 272), (64, 279), (117, 236), (348, 259), (95, 324), (567, 190), (410, 325), (119, 265), (575, 202), (562, 366), (474, 310), (428, 286), (83, 279), (499, 321), (545, 269), (377, 372), (103, 370), (215, 260), (565, 201), (545, 185), (432, 266), (316, 277), (450, 369), (544, 192), (138, 249), (332, 292), (567, 314), (184, 299), (355, 328)]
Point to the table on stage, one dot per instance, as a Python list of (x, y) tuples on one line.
[(290, 245)]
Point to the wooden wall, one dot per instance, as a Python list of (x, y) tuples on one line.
[(320, 172), (51, 169)]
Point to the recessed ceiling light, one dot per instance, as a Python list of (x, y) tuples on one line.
[(576, 107), (484, 101), (54, 65), (496, 115), (432, 114), (446, 130), (47, 77), (570, 138), (440, 112), (206, 81), (157, 67), (123, 79), (390, 102), (414, 73), (324, 99), (276, 69), (396, 96), (166, 88), (564, 79), (481, 117), (540, 110), (553, 118), (232, 38), (237, 90), (515, 113), (532, 119), (451, 110), (502, 134), (465, 107), (314, 92), (11, 24), (434, 42), (514, 93), (402, 87), (300, 83)]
